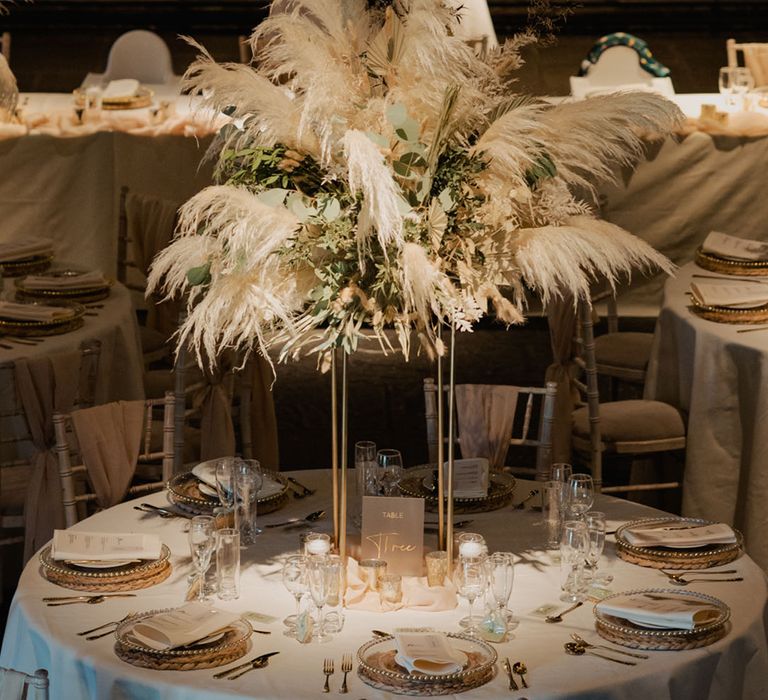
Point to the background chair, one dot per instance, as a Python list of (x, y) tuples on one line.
[(755, 57), (244, 49), (620, 61), (77, 480), (5, 45), (141, 55), (633, 428), (528, 422), (17, 685)]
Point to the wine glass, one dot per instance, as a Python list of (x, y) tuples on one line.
[(202, 540), (249, 481), (561, 472), (725, 84), (470, 577), (501, 577), (390, 472), (581, 495), (574, 544), (319, 576), (226, 480), (365, 476), (595, 522), (295, 580), (743, 82)]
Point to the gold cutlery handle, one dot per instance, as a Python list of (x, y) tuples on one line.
[(100, 635), (610, 658), (326, 687)]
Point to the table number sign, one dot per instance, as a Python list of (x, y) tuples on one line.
[(393, 530)]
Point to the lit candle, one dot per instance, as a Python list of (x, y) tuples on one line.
[(317, 544), (470, 549)]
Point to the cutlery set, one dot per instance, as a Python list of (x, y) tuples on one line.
[(518, 668), (328, 669), (89, 599), (259, 662), (678, 577), (162, 512), (299, 490)]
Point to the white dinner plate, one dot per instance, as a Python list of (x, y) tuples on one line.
[(96, 564)]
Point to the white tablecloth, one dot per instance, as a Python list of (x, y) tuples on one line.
[(735, 667), (717, 376), (67, 188)]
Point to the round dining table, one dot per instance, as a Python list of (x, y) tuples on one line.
[(716, 374), (37, 636)]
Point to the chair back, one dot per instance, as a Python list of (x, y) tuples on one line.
[(17, 685), (535, 402), (75, 487), (5, 45), (141, 55), (754, 55)]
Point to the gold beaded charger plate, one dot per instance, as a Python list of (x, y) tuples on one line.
[(377, 667), (183, 491), (219, 651), (671, 558), (26, 266), (132, 576), (730, 314), (142, 98), (84, 295), (71, 320), (420, 482), (731, 266), (625, 633)]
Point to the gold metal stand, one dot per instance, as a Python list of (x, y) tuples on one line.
[(334, 448), (451, 422)]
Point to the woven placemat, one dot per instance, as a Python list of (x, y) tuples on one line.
[(658, 561), (180, 662), (133, 581), (729, 266), (669, 642), (427, 689)]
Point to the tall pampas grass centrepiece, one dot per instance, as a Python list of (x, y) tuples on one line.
[(378, 173)]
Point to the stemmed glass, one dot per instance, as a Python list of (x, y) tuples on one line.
[(574, 544), (501, 577), (226, 480), (249, 481), (581, 495), (295, 580), (743, 82), (319, 575), (202, 540), (595, 522), (365, 476), (470, 577), (725, 84), (391, 463)]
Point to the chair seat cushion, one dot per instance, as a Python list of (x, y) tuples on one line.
[(629, 350), (632, 421)]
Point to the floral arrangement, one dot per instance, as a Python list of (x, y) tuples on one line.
[(378, 173)]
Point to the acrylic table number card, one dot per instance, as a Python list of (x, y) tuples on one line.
[(393, 530)]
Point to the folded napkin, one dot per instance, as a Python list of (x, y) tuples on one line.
[(737, 294), (683, 536), (733, 247), (18, 250), (127, 87), (662, 611), (192, 623), (428, 652), (85, 280), (32, 312), (104, 546)]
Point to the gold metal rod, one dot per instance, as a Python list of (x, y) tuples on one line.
[(440, 449), (449, 495), (344, 439), (335, 448)]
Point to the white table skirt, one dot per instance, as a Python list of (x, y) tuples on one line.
[(717, 376), (36, 636)]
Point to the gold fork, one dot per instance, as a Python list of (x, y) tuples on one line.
[(346, 667), (328, 671)]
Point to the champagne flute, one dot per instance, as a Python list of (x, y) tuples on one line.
[(318, 574), (501, 577), (595, 522), (295, 580), (249, 481), (226, 485), (202, 540), (581, 495), (391, 463), (725, 84), (470, 577), (573, 551)]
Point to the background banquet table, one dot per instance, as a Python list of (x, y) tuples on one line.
[(37, 636), (120, 373), (718, 377), (67, 187), (690, 184)]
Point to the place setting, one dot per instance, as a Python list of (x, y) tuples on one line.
[(24, 257), (65, 283)]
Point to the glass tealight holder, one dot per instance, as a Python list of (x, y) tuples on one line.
[(391, 588), (437, 568), (371, 571), (317, 544)]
